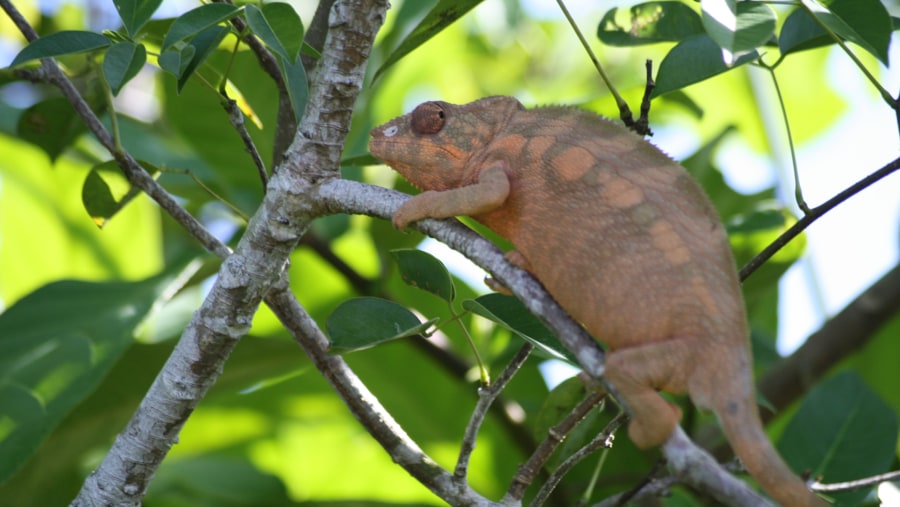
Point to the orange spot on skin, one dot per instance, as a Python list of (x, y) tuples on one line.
[(538, 146), (512, 145), (621, 193), (670, 243), (573, 163), (706, 299)]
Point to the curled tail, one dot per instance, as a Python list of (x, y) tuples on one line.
[(744, 431)]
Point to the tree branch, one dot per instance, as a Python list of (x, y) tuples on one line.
[(366, 408), (693, 464), (246, 276), (845, 333), (813, 215), (486, 397)]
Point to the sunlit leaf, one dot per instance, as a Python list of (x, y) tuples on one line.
[(66, 42), (360, 323), (122, 62), (738, 27), (195, 21), (649, 23), (106, 191), (135, 13), (422, 270), (510, 313), (441, 16)]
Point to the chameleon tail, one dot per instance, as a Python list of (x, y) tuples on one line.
[(744, 430)]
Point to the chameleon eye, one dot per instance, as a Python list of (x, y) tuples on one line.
[(428, 118)]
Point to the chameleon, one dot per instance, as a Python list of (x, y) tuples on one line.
[(620, 235)]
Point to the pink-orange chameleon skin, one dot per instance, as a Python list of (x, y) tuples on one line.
[(620, 235)]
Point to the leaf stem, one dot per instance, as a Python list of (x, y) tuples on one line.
[(624, 110), (798, 190)]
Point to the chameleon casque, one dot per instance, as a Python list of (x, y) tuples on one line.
[(620, 235)]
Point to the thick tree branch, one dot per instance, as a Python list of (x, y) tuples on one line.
[(246, 276), (845, 333)]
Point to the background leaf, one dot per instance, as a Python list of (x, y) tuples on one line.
[(649, 23), (843, 425), (52, 125), (56, 345), (441, 16)]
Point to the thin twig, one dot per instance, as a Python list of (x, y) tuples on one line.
[(527, 472), (624, 111), (814, 215), (798, 189), (486, 396), (864, 483), (236, 117), (602, 440), (365, 406)]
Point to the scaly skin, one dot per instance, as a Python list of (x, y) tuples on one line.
[(621, 236)]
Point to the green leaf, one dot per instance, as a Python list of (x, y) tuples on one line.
[(360, 323), (441, 16), (297, 85), (57, 344), (195, 21), (97, 198), (650, 23), (842, 431), (279, 26), (738, 28), (863, 22), (510, 313), (360, 161), (52, 125), (106, 191), (423, 271), (176, 62), (122, 62), (202, 46), (66, 42), (691, 61), (135, 13)]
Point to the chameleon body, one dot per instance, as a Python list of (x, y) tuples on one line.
[(620, 235)]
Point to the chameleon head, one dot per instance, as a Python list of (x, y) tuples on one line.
[(432, 145)]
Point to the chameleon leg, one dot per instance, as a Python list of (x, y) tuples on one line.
[(638, 373)]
